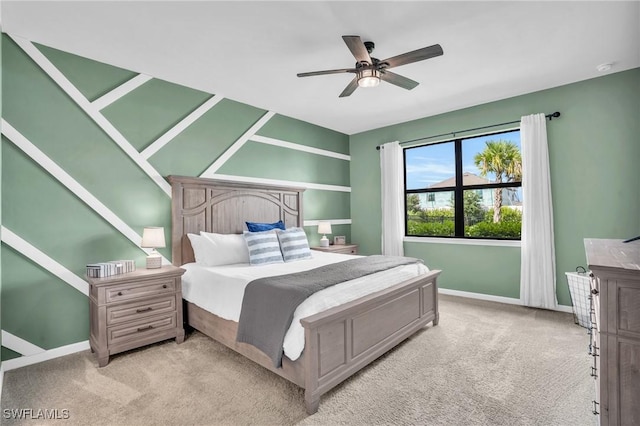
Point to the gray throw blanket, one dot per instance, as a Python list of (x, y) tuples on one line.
[(269, 303)]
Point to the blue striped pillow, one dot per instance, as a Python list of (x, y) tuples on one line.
[(264, 247), (294, 244)]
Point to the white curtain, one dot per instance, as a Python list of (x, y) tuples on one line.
[(392, 199), (538, 264)]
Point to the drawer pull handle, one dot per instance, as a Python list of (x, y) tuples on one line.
[(593, 374), (164, 286), (149, 327), (119, 293), (594, 291), (144, 310), (595, 407)]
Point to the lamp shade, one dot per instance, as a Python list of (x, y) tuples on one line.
[(324, 227), (153, 237)]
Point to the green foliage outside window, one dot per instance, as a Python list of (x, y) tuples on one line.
[(478, 223)]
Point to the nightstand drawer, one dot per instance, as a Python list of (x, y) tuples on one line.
[(339, 248), (132, 311), (141, 329), (139, 290), (346, 250)]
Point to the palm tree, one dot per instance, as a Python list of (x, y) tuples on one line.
[(504, 160)]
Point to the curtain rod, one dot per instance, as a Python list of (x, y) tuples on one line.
[(549, 116)]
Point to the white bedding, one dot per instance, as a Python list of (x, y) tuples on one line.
[(220, 289)]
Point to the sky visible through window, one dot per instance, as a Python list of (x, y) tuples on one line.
[(430, 164)]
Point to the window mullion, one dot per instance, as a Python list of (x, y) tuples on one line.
[(459, 193)]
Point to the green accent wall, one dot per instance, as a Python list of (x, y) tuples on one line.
[(158, 104), (9, 354), (190, 152), (38, 306), (287, 164), (46, 309), (91, 78), (594, 154), (303, 133)]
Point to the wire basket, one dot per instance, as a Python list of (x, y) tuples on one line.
[(580, 291)]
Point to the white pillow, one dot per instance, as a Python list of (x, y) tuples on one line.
[(203, 250), (229, 248)]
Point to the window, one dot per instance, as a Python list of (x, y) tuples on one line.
[(465, 188)]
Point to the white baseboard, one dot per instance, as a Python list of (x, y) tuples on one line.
[(564, 308), (1, 378), (492, 298), (23, 361)]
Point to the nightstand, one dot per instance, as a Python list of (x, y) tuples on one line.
[(135, 309), (339, 248)]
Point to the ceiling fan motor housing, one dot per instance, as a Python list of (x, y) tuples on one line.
[(369, 45)]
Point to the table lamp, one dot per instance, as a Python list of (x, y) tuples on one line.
[(153, 238), (324, 227)]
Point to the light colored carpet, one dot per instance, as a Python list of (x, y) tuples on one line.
[(486, 363)]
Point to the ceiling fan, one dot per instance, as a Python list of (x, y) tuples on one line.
[(369, 71)]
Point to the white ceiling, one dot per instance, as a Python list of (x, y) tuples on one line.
[(251, 51)]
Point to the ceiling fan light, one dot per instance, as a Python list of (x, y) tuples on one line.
[(368, 78)]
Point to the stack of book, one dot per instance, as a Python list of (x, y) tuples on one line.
[(113, 267)]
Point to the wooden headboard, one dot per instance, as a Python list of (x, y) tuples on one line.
[(220, 206)]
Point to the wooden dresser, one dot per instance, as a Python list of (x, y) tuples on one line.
[(135, 309), (615, 332)]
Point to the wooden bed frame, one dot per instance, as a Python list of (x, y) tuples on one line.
[(339, 341)]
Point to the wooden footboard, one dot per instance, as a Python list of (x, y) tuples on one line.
[(341, 340), (344, 339)]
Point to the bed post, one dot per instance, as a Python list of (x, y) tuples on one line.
[(311, 394)]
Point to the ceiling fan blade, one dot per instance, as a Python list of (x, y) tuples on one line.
[(356, 46), (398, 80), (339, 71), (351, 87), (414, 56)]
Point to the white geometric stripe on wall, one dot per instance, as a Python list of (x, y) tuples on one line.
[(19, 345), (183, 124), (298, 147), (126, 87), (40, 258), (41, 60), (213, 168), (278, 182), (71, 184), (12, 364), (332, 221)]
